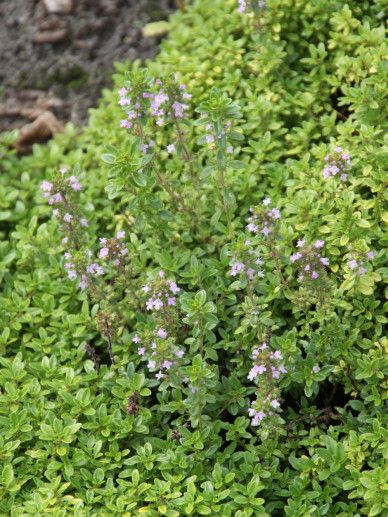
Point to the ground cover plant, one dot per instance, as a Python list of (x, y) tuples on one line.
[(193, 288)]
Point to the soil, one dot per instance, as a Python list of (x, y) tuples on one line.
[(60, 61)]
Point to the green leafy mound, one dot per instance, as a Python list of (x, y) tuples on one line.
[(308, 76)]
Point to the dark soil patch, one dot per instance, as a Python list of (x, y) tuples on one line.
[(72, 69)]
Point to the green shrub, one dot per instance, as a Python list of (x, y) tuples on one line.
[(83, 436)]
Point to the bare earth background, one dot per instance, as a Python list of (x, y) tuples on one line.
[(58, 61)]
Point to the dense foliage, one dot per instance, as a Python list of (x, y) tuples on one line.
[(212, 341)]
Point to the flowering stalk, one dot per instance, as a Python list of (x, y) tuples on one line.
[(266, 371), (150, 104), (80, 264), (338, 162), (158, 346)]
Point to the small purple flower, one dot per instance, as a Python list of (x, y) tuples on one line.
[(159, 375), (252, 228), (180, 353), (84, 222), (171, 148), (316, 368), (370, 255), (314, 275), (319, 244), (104, 252), (267, 201), (266, 231), (296, 256), (162, 333), (251, 273), (83, 283), (136, 339), (125, 123), (46, 186), (174, 288), (260, 415), (274, 213), (141, 350), (352, 264), (72, 274), (76, 186), (229, 149), (67, 217), (300, 243), (237, 267), (121, 234), (275, 403)]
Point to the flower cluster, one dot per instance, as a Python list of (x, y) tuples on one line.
[(266, 371), (158, 346), (246, 261), (144, 98), (159, 351), (253, 4), (337, 162), (60, 193), (81, 267), (170, 101), (114, 249), (161, 293), (311, 264), (356, 261), (134, 98), (263, 219)]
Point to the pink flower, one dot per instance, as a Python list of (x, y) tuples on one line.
[(319, 244), (252, 228), (141, 350), (104, 252), (352, 264), (295, 257), (174, 288), (162, 333), (46, 186), (274, 213)]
